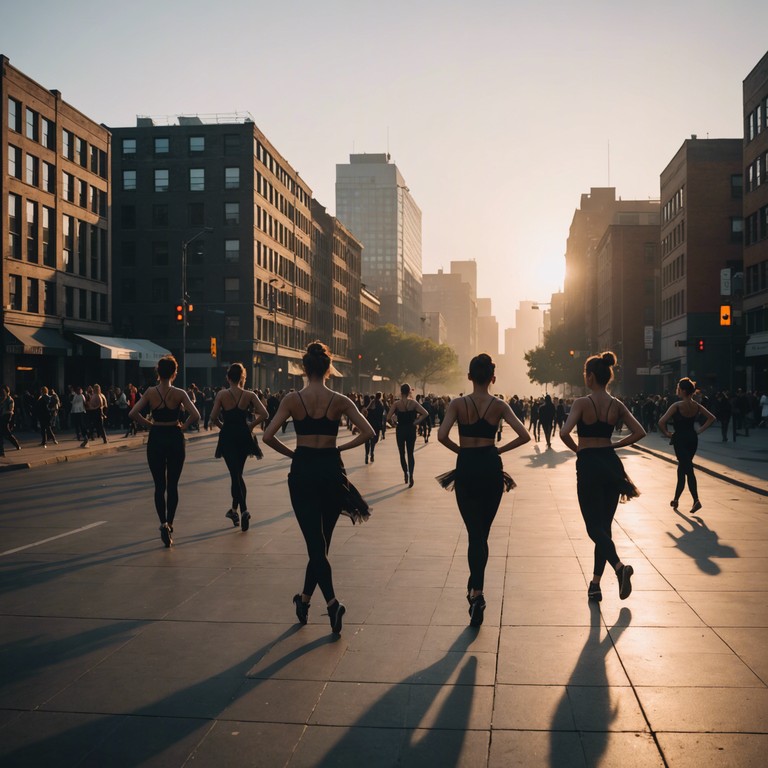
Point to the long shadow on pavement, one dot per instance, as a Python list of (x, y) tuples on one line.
[(701, 544)]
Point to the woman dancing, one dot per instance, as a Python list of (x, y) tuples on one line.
[(479, 478), (405, 415), (318, 484), (684, 415), (236, 439), (165, 446), (600, 476)]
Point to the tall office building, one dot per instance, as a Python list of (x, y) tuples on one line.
[(374, 202), (54, 213)]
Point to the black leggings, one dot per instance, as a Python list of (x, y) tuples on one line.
[(6, 434), (166, 451), (406, 440), (685, 450), (235, 464), (598, 499), (479, 486), (370, 445), (313, 485)]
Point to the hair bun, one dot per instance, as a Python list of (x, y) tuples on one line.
[(317, 348), (608, 358)]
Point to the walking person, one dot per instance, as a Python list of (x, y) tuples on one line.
[(166, 449), (479, 478), (685, 415), (723, 413), (600, 476), (231, 409), (95, 413), (43, 416), (375, 413), (7, 408), (547, 415), (77, 413), (318, 484), (405, 415)]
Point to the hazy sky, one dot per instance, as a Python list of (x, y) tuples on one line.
[(498, 114)]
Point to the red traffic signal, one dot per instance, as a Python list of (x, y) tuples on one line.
[(700, 345), (179, 313), (359, 356)]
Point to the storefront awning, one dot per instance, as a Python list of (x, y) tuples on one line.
[(113, 348), (757, 345), (295, 369), (28, 340)]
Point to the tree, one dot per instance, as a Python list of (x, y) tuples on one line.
[(559, 360), (435, 363)]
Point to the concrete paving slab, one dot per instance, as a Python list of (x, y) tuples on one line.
[(703, 750)]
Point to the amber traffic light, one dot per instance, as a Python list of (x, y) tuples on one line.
[(179, 313)]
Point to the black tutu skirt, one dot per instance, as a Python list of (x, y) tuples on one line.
[(245, 442), (477, 463), (602, 466)]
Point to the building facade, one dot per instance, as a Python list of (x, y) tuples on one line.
[(701, 235), (54, 206), (375, 204), (487, 329), (207, 211), (755, 212)]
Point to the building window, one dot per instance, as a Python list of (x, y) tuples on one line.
[(128, 253), (162, 145), (196, 179), (94, 159), (231, 143), (69, 301), (33, 125), (33, 254), (129, 146), (82, 304), (68, 186), (14, 115), (94, 305), (129, 180), (67, 141), (82, 247), (49, 133), (14, 225), (231, 214), (49, 177), (103, 307), (33, 171), (160, 215), (94, 201), (14, 291), (737, 229), (161, 179), (33, 295), (128, 216), (196, 214), (81, 150), (160, 253), (49, 297), (95, 260), (14, 162), (128, 290), (232, 251), (82, 193), (159, 289), (68, 243), (49, 251), (196, 143), (231, 289), (231, 178), (231, 327)]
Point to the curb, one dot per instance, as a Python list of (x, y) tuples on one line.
[(760, 490), (86, 453)]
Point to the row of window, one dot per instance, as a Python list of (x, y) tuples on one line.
[(196, 179), (42, 130), (231, 216), (264, 156), (290, 271), (756, 172), (675, 270), (673, 205), (267, 190), (673, 239), (756, 226), (673, 307), (161, 145), (161, 253), (757, 120), (78, 302), (31, 231), (757, 277)]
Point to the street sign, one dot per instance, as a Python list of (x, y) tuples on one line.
[(648, 336), (725, 282)]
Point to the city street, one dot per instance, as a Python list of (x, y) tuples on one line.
[(118, 652)]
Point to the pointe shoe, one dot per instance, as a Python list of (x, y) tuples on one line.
[(695, 508), (302, 609), (624, 575), (245, 520), (335, 614), (234, 517), (476, 610), (673, 503), (165, 535)]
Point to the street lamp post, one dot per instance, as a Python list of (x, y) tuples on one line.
[(185, 301), (273, 309)]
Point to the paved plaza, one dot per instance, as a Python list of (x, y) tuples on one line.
[(118, 652)]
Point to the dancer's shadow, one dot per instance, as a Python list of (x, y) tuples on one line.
[(548, 457), (438, 744), (590, 676), (701, 543)]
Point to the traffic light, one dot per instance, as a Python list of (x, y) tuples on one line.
[(213, 346), (725, 314), (572, 352), (179, 313), (359, 355), (190, 307), (700, 345)]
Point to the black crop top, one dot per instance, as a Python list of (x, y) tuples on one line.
[(319, 426), (406, 418), (599, 428), (163, 412), (480, 427), (685, 423)]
